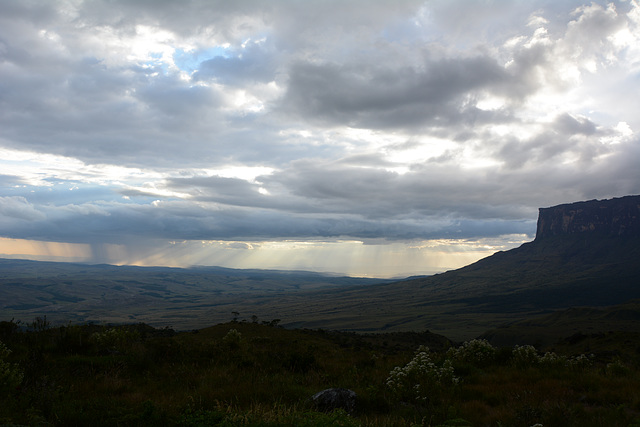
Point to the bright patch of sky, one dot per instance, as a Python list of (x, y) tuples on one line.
[(349, 256), (189, 60)]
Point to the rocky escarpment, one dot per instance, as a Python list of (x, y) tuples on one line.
[(613, 217)]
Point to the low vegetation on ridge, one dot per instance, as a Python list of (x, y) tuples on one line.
[(258, 374)]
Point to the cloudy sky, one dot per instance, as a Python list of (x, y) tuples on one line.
[(371, 138)]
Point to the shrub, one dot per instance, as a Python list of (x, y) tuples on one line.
[(524, 356), (581, 361), (8, 329), (115, 339), (551, 359), (617, 369), (10, 375), (421, 381), (233, 339), (476, 352)]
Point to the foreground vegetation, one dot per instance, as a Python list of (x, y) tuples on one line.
[(257, 374)]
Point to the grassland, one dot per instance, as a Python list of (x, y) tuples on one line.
[(252, 374), (178, 298)]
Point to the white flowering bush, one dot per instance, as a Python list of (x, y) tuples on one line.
[(581, 361), (551, 359), (476, 352), (421, 381), (10, 374), (524, 356)]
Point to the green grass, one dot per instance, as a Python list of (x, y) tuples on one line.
[(264, 376)]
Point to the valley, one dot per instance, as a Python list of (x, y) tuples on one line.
[(544, 334)]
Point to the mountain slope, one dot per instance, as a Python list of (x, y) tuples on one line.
[(461, 304), (585, 254)]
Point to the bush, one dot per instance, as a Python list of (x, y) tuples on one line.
[(475, 352), (617, 369), (524, 356), (581, 361), (421, 381), (10, 375), (233, 339), (551, 359), (115, 339)]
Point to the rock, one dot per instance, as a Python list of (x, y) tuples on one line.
[(613, 217), (335, 398)]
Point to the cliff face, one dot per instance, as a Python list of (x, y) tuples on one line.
[(614, 217)]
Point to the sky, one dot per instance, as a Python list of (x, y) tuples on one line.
[(368, 138)]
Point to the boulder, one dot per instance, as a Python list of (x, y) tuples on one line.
[(335, 398)]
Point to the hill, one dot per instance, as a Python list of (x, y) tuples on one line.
[(160, 296), (584, 254)]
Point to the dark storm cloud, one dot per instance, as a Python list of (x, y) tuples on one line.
[(181, 106), (432, 191), (228, 191), (363, 202), (179, 220), (365, 96)]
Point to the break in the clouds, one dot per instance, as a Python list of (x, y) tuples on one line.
[(368, 138)]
